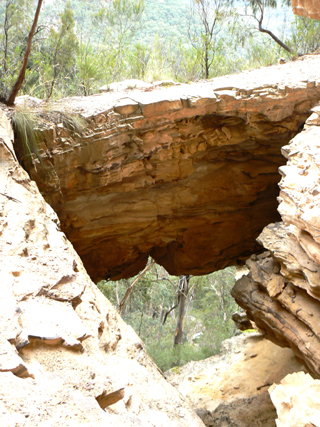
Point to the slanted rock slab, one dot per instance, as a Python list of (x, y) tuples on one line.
[(231, 389), (62, 344)]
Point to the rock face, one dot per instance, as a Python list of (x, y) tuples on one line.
[(186, 174), (231, 389), (306, 8), (282, 292), (65, 354), (297, 401)]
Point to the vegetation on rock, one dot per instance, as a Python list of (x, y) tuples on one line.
[(27, 123)]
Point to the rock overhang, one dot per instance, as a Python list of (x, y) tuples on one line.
[(186, 174)]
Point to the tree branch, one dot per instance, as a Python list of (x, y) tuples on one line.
[(168, 312), (275, 38), (130, 288)]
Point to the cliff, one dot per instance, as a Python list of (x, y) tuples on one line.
[(282, 292)]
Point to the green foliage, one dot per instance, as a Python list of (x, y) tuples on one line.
[(62, 47), (117, 23), (257, 5), (52, 64), (158, 67), (89, 66), (254, 20), (14, 28), (81, 45), (262, 53), (208, 319), (124, 15), (208, 19), (184, 62), (138, 60), (166, 19), (305, 35)]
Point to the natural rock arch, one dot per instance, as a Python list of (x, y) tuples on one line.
[(186, 174)]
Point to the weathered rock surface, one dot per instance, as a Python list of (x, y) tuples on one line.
[(64, 352), (126, 84), (282, 292), (297, 399), (231, 389), (307, 8), (186, 174)]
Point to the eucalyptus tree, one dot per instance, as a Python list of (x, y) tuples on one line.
[(117, 23), (16, 19), (90, 70), (256, 9), (182, 296), (62, 45), (305, 35), (205, 28), (24, 64)]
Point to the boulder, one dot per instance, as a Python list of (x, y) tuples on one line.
[(241, 321), (297, 401)]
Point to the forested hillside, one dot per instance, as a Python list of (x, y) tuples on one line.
[(80, 45), (166, 18)]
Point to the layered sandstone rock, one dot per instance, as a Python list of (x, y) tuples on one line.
[(282, 292), (66, 357), (231, 389), (186, 174), (307, 8)]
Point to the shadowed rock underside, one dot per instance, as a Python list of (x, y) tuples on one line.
[(186, 174)]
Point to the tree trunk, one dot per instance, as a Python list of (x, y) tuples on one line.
[(53, 82), (22, 73), (55, 65), (168, 312), (182, 299), (206, 48)]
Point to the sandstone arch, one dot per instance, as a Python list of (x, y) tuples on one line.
[(186, 174)]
